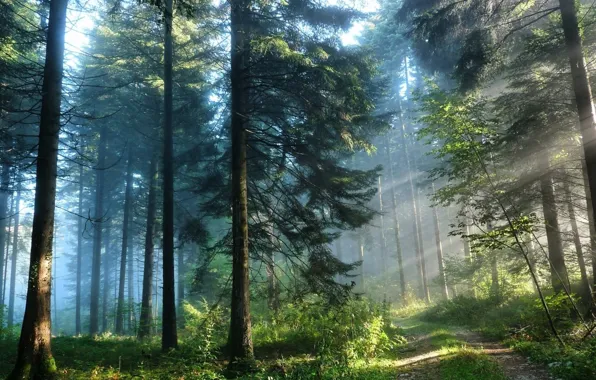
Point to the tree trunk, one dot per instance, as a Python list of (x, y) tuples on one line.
[(241, 347), (442, 278), (468, 254), (131, 274), (272, 286), (559, 276), (423, 284), (146, 320), (97, 232), (13, 259), (382, 232), (400, 264), (10, 217), (169, 334), (591, 224), (34, 359), (55, 278), (124, 252), (361, 259), (107, 272), (181, 287), (79, 255), (586, 289), (584, 104), (4, 193)]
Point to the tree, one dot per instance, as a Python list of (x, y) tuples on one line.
[(34, 359)]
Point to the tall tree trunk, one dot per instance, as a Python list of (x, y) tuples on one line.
[(423, 284), (442, 278), (181, 287), (131, 316), (421, 245), (79, 255), (382, 232), (10, 217), (586, 289), (13, 260), (591, 223), (4, 193), (584, 104), (361, 259), (97, 233), (34, 359), (107, 272), (240, 340), (146, 320), (55, 278), (169, 337), (559, 276), (124, 252), (400, 264), (272, 286)]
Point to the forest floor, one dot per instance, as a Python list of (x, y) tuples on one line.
[(432, 352), (449, 353)]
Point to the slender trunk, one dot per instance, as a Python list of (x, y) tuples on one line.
[(13, 260), (10, 217), (585, 107), (468, 254), (146, 319), (586, 289), (131, 316), (124, 252), (400, 264), (421, 245), (241, 347), (181, 287), (272, 286), (55, 278), (97, 232), (382, 232), (169, 338), (4, 193), (361, 259), (34, 359), (79, 254), (423, 287), (559, 276), (591, 224), (442, 278), (107, 271)]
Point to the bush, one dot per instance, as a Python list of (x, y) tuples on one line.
[(206, 330)]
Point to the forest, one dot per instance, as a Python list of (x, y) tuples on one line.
[(297, 189)]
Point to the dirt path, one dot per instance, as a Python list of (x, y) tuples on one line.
[(429, 345)]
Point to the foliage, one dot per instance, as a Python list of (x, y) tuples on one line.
[(470, 365)]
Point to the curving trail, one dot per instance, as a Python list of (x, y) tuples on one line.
[(440, 352)]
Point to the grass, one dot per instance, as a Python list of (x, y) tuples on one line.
[(470, 365)]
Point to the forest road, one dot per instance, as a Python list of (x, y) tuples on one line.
[(431, 348)]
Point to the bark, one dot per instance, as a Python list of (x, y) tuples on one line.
[(97, 233), (34, 358), (559, 276), (586, 289), (107, 272), (124, 251), (400, 264), (4, 193), (423, 285), (442, 278), (468, 253), (584, 104), (13, 259), (169, 334), (79, 255), (272, 285), (240, 340), (146, 320)]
